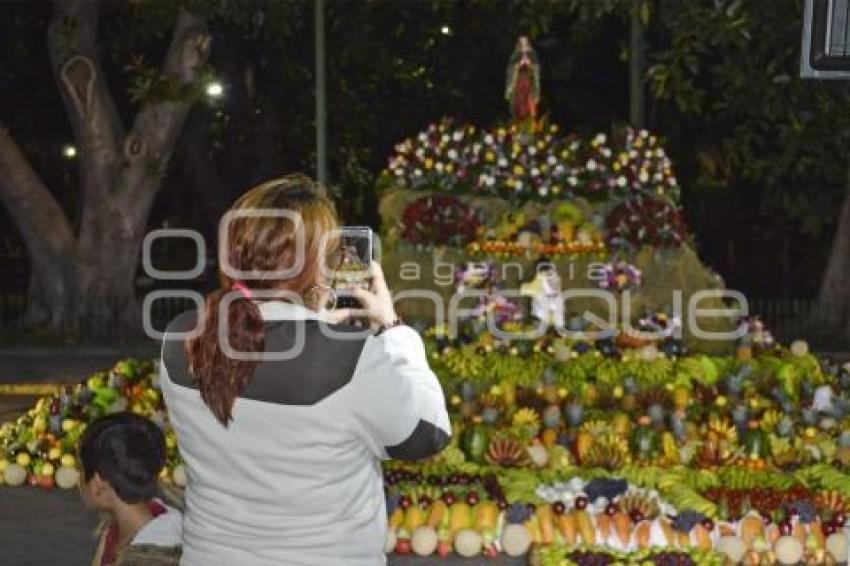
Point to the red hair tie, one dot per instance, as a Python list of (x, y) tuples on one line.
[(246, 292)]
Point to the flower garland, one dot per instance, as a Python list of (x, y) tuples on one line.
[(538, 165)]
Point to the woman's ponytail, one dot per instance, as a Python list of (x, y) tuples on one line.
[(221, 377)]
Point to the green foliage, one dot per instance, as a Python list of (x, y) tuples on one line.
[(731, 68)]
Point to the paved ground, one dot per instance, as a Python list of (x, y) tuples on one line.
[(40, 528), (38, 366)]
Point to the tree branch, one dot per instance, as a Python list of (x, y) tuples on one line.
[(158, 124), (39, 218), (72, 44)]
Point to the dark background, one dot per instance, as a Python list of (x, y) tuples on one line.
[(391, 71)]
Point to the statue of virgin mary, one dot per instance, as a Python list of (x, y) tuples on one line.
[(522, 85)]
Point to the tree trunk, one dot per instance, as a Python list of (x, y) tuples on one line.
[(85, 283), (834, 296)]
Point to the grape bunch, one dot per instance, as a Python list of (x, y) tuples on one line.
[(591, 558), (802, 508), (687, 520), (518, 513), (672, 558), (605, 487)]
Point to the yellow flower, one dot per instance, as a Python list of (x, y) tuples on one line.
[(501, 132), (449, 168), (429, 163), (525, 416), (490, 156), (518, 170), (540, 145), (615, 166)]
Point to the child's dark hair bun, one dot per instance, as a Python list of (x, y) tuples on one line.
[(126, 450)]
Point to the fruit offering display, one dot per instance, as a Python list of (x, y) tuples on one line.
[(40, 447)]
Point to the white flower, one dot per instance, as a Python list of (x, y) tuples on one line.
[(644, 176), (420, 153), (552, 160), (518, 185), (423, 137), (532, 150), (503, 162), (439, 167), (559, 169), (600, 139), (606, 152), (488, 139), (621, 181), (457, 136), (491, 181), (633, 154), (659, 152), (543, 190), (574, 146), (452, 154), (399, 172), (572, 181), (658, 177), (590, 165), (445, 138), (535, 172), (476, 148), (672, 181), (417, 172), (644, 134)]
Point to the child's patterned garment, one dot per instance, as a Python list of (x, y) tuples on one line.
[(157, 543)]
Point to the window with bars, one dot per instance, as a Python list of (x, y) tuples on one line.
[(826, 39)]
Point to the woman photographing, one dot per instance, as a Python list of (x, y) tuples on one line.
[(283, 450)]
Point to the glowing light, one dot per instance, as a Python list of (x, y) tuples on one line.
[(446, 30), (69, 151), (215, 89)]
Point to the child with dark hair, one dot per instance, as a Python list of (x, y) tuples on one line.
[(122, 455)]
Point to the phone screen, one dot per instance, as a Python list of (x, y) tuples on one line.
[(353, 270)]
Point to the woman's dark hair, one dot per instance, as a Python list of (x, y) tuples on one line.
[(125, 450), (258, 245)]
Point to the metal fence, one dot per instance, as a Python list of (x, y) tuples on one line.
[(788, 320), (16, 328)]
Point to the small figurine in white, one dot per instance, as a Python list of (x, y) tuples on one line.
[(545, 292)]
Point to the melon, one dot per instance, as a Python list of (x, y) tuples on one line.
[(732, 547), (67, 477), (15, 474), (788, 549), (423, 541), (837, 546), (515, 540), (799, 348), (468, 543)]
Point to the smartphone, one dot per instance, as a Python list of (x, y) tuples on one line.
[(354, 266)]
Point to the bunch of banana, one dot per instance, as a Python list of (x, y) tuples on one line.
[(609, 452), (519, 485), (683, 497), (464, 362)]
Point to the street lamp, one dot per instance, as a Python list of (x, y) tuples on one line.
[(215, 89), (446, 30), (69, 151)]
